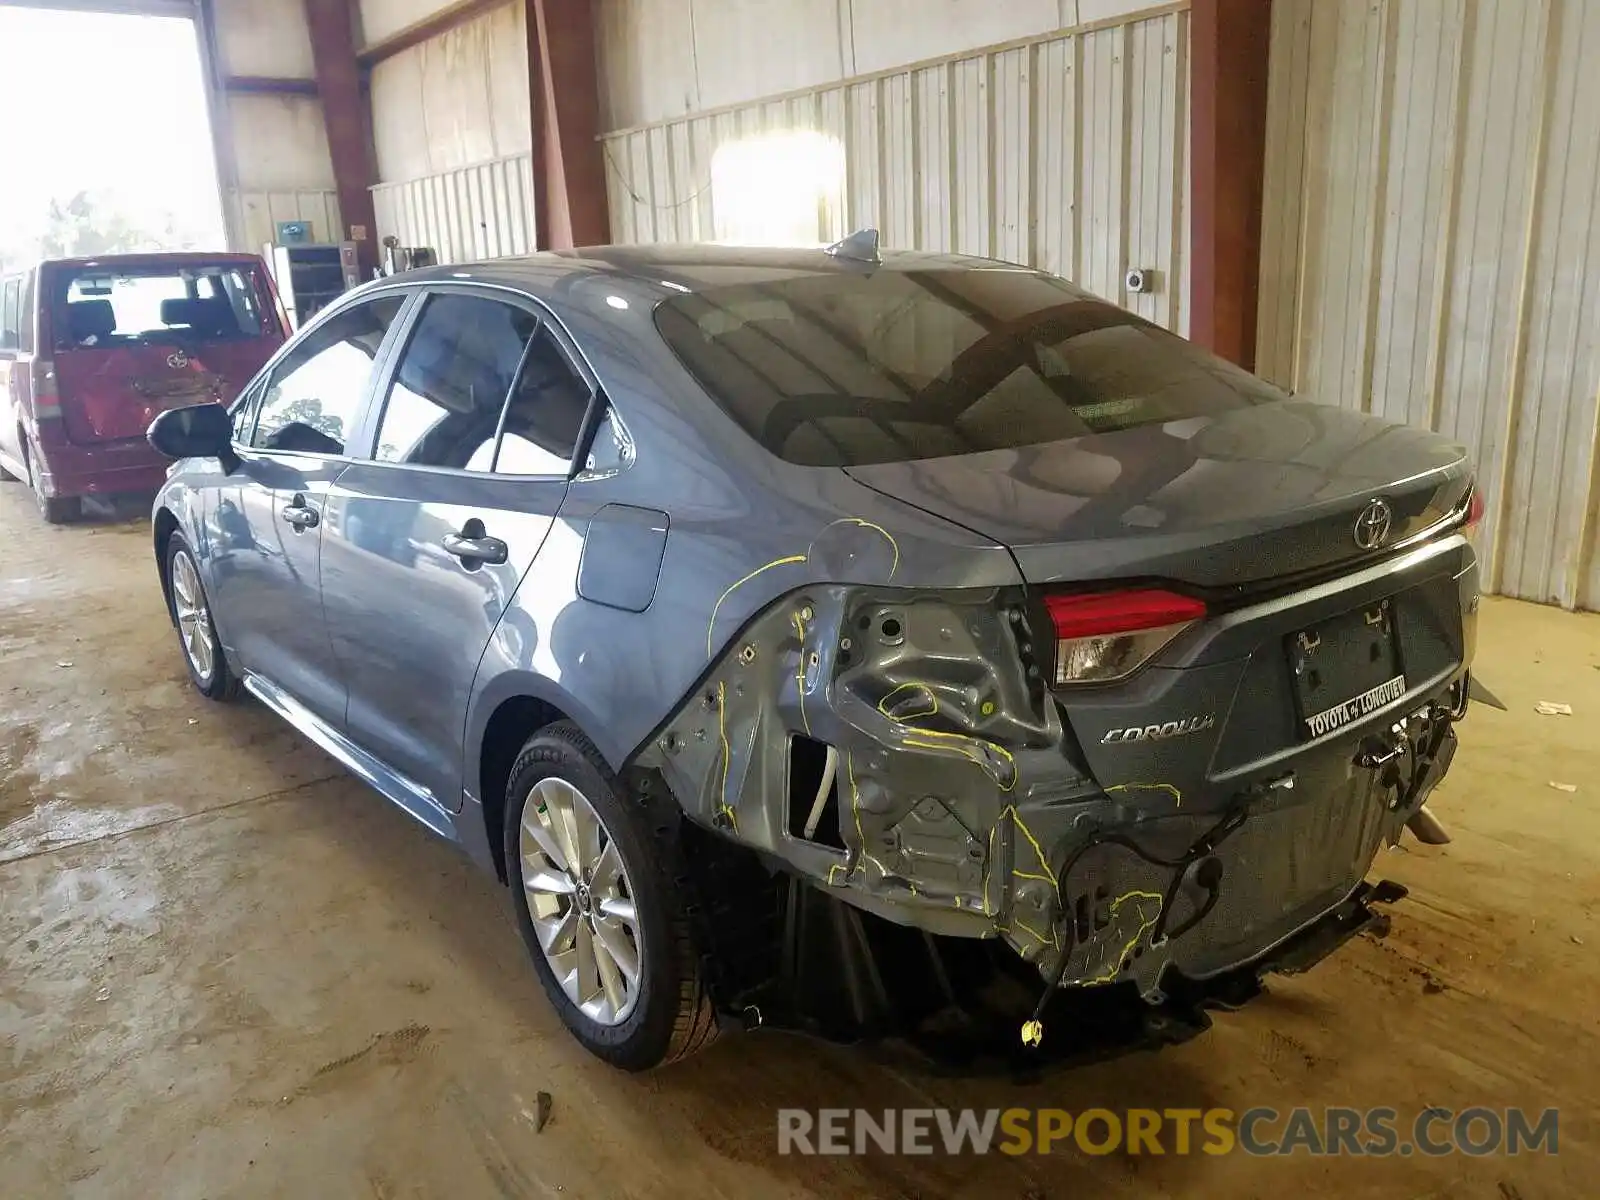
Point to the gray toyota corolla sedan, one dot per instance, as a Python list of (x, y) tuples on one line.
[(863, 643)]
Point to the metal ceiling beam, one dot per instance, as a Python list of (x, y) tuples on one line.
[(1228, 148), (347, 116), (263, 85), (569, 178), (443, 21)]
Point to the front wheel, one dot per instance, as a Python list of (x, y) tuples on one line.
[(197, 634), (604, 922)]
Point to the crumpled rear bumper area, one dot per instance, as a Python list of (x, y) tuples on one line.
[(900, 752)]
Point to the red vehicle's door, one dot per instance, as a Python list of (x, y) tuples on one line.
[(132, 340)]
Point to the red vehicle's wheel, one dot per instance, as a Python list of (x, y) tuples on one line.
[(58, 510)]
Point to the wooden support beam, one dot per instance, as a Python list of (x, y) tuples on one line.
[(1228, 144), (346, 113), (569, 178)]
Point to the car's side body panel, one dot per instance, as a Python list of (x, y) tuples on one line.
[(401, 610), (268, 578)]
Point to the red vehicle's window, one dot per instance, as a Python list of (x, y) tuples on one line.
[(102, 308)]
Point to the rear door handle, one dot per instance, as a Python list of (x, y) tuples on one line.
[(476, 549), (298, 514)]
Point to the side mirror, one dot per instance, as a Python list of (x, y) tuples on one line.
[(197, 431)]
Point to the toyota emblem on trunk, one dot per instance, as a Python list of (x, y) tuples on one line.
[(177, 360), (1372, 526)]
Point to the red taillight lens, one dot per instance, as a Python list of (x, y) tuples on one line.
[(1108, 635), (1475, 507)]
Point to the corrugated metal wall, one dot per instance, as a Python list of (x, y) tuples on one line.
[(1431, 248), (1068, 152), (484, 211), (452, 135)]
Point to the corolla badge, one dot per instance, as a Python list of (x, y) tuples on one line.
[(1372, 526), (177, 360), (1157, 733)]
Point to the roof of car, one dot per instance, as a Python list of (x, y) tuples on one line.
[(663, 269)]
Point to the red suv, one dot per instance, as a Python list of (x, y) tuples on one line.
[(92, 349)]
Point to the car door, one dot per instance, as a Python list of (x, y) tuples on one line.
[(428, 536), (266, 520)]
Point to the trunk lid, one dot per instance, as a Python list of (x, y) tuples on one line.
[(133, 337), (1224, 502)]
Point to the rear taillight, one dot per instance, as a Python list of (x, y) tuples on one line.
[(1107, 636), (1475, 507), (46, 400)]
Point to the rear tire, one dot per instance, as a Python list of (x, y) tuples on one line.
[(56, 510), (197, 632), (666, 1013)]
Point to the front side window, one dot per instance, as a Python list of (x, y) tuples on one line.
[(311, 402), (97, 308), (444, 405), (846, 368)]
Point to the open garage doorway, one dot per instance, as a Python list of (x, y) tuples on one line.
[(109, 146)]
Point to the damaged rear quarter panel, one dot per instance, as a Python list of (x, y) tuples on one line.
[(944, 742)]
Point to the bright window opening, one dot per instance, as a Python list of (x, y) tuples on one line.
[(779, 189)]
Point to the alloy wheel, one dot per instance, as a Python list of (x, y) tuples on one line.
[(194, 619), (580, 901)]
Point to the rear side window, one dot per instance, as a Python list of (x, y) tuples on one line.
[(445, 402), (850, 368), (11, 314), (311, 402), (99, 308), (545, 416)]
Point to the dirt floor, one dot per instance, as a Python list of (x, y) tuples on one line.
[(227, 969)]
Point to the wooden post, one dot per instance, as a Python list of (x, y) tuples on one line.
[(1229, 41)]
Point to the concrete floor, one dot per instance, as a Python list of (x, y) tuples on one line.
[(227, 969)]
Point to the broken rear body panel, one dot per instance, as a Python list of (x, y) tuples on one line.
[(971, 800)]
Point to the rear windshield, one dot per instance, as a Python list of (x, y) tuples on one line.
[(854, 368), (98, 308)]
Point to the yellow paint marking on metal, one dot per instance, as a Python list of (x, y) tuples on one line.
[(967, 748), (727, 755), (864, 524), (1177, 796), (800, 670), (855, 808), (777, 562), (1036, 935), (800, 558), (883, 705), (1037, 849), (1144, 927)]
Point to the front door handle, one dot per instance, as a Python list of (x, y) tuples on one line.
[(473, 546), (299, 514)]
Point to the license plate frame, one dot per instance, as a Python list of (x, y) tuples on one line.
[(1345, 668)]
